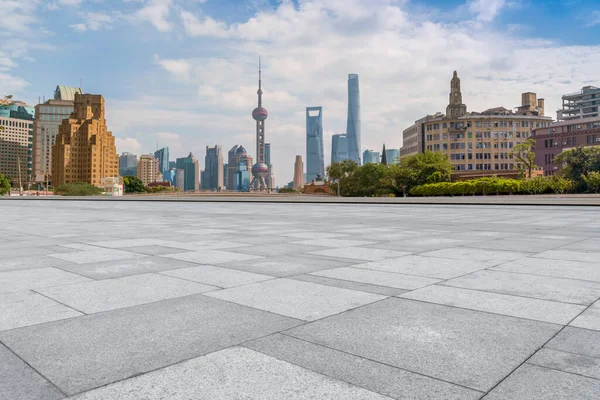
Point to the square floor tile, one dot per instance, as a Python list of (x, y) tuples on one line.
[(548, 267), (30, 262), (156, 250), (14, 281), (538, 287), (380, 278), (216, 276), (465, 347), (522, 307), (211, 257), (109, 294), (276, 249), (29, 308), (235, 373), (567, 362), (98, 349), (289, 265), (592, 257), (202, 245), (360, 253), (431, 267), (352, 285), (332, 242), (89, 256), (489, 257), (590, 319), (296, 299), (578, 341)]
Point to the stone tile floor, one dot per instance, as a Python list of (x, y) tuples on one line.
[(144, 300)]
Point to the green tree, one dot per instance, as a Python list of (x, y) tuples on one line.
[(401, 179), (133, 185), (4, 185), (524, 154), (78, 189), (592, 180), (576, 163), (341, 172), (560, 185), (428, 167), (368, 181)]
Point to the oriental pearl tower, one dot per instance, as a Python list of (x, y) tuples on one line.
[(260, 169)]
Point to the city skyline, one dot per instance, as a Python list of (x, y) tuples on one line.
[(204, 98)]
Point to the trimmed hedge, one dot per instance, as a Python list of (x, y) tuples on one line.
[(491, 186)]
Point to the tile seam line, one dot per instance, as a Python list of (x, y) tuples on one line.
[(548, 276), (563, 371), (538, 349), (33, 368), (59, 302), (377, 362)]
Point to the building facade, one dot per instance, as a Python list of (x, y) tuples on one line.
[(162, 155), (187, 179), (128, 164), (393, 156), (212, 178), (582, 104), (298, 173), (339, 147), (564, 135), (85, 150), (315, 161), (413, 137), (371, 157), (148, 169), (48, 117), (242, 178), (353, 125), (270, 178), (16, 141)]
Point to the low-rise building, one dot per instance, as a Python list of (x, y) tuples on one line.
[(582, 104)]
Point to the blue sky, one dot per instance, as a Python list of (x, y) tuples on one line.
[(183, 72)]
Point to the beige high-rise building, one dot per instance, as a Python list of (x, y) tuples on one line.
[(85, 150), (147, 170), (298, 173)]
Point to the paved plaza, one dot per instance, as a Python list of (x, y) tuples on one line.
[(197, 300)]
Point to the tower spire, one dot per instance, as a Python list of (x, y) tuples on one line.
[(259, 83)]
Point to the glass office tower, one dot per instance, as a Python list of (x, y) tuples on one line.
[(353, 124), (315, 161), (339, 148)]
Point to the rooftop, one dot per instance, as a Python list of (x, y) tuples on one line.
[(129, 299)]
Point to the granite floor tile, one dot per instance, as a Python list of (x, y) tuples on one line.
[(548, 267), (333, 242), (14, 281), (276, 249), (99, 349), (451, 344), (233, 374), (539, 287), (567, 362), (590, 319), (384, 379), (155, 250), (315, 235), (28, 308), (18, 381), (567, 255), (522, 307), (283, 266), (578, 341), (124, 243), (208, 257), (360, 286), (216, 276), (380, 278), (489, 257), (431, 267), (360, 253), (110, 294), (89, 256), (302, 300), (119, 268), (30, 262), (202, 245), (533, 382)]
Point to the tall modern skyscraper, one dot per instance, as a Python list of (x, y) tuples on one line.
[(353, 124), (232, 162), (128, 164), (188, 173), (260, 169), (162, 156), (212, 177), (393, 156), (298, 173), (270, 178), (85, 150), (315, 161), (339, 147)]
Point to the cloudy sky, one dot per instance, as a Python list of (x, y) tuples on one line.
[(182, 73)]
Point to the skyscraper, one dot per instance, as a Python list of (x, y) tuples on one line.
[(339, 147), (213, 168), (298, 173), (260, 114), (188, 171), (16, 136), (393, 156), (315, 161), (270, 178), (48, 117), (128, 164), (371, 157), (85, 150), (147, 169), (232, 162), (384, 156), (162, 156), (353, 125)]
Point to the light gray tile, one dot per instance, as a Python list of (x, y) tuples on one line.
[(155, 250), (522, 307), (137, 242), (232, 374), (211, 257), (332, 242), (390, 279), (130, 341), (216, 276), (110, 294), (579, 341), (18, 381), (432, 267), (489, 257), (276, 249), (360, 253), (360, 286), (567, 255), (14, 281), (567, 362), (590, 319), (315, 235), (539, 287), (29, 308), (548, 267), (89, 256), (30, 262), (451, 344), (289, 265), (202, 245), (389, 381), (296, 299), (533, 382)]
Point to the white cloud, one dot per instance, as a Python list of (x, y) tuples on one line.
[(593, 19), (156, 12), (167, 135), (128, 144), (205, 26), (70, 3), (486, 10), (79, 27)]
